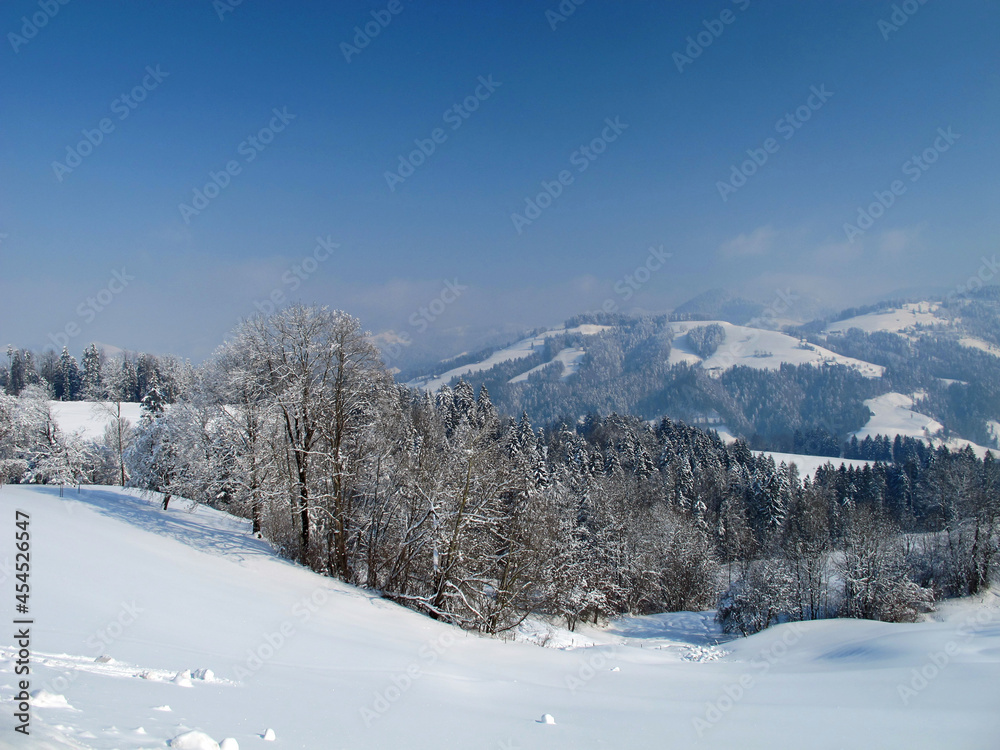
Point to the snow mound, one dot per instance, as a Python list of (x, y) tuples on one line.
[(547, 719), (45, 699), (207, 675), (194, 740), (162, 708), (268, 735), (703, 654), (229, 744), (183, 679)]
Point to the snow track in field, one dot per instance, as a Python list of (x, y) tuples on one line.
[(112, 668)]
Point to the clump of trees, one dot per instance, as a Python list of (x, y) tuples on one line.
[(443, 504), (705, 340), (131, 375)]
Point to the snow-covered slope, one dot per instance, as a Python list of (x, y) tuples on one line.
[(518, 350), (759, 348), (569, 358), (971, 342), (896, 320), (893, 414), (744, 345), (323, 665), (807, 465), (87, 418)]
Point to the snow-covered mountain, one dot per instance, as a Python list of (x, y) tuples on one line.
[(943, 354), (153, 627)]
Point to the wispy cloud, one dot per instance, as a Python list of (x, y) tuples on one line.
[(757, 243)]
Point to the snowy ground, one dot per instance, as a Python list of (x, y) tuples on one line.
[(570, 358), (518, 350), (984, 346), (807, 465), (896, 320), (759, 348), (87, 419), (893, 414), (208, 630)]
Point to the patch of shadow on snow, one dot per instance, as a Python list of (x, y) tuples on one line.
[(190, 526)]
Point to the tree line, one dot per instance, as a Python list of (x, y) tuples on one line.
[(446, 505)]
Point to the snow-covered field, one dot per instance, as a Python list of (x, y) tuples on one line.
[(893, 414), (570, 359), (983, 346), (807, 465), (518, 350), (759, 348), (897, 320), (86, 418), (207, 630)]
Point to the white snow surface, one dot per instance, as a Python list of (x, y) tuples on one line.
[(893, 414), (807, 465), (758, 348), (570, 359), (985, 346), (326, 665), (87, 418), (896, 320), (518, 350)]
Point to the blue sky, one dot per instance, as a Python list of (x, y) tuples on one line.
[(322, 173)]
